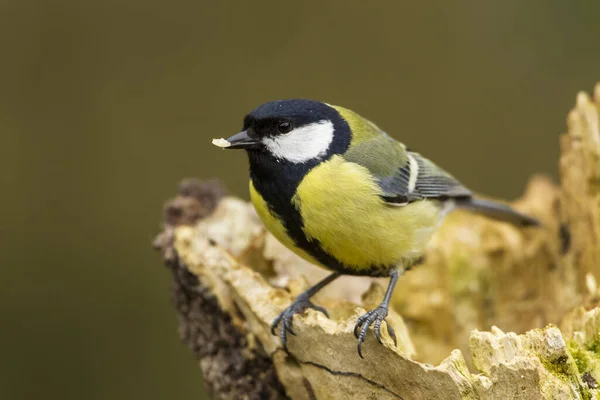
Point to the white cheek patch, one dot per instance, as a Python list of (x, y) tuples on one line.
[(302, 144)]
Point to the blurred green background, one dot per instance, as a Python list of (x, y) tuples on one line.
[(106, 105)]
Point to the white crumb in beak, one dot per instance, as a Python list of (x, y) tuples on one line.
[(221, 143)]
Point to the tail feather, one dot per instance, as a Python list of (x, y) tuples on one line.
[(497, 211)]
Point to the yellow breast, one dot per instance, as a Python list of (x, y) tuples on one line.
[(273, 223), (342, 208)]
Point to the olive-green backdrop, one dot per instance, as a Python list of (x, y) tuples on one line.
[(106, 105)]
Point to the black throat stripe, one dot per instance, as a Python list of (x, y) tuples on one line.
[(276, 181)]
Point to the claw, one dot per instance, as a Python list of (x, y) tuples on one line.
[(286, 318), (362, 336), (391, 333), (275, 323), (378, 330), (288, 327), (359, 322), (321, 309), (375, 318)]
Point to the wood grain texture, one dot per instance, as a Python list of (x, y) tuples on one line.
[(495, 312)]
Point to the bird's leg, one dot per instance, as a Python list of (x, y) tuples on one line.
[(377, 316), (301, 303)]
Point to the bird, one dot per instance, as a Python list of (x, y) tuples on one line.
[(344, 195)]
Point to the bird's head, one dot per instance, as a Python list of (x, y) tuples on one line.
[(295, 131)]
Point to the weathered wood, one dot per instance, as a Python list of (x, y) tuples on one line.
[(230, 277)]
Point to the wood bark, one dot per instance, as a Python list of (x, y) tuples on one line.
[(495, 312)]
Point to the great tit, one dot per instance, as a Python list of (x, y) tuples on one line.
[(342, 194)]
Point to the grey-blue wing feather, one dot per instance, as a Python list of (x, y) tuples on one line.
[(396, 187), (400, 186), (430, 182), (402, 175), (433, 182)]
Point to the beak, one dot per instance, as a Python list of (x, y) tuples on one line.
[(238, 141)]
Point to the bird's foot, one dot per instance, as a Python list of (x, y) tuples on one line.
[(375, 317), (298, 306)]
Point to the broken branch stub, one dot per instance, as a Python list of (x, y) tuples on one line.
[(230, 276)]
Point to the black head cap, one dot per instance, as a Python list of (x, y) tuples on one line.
[(293, 130), (281, 116)]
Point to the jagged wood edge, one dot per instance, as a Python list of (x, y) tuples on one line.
[(230, 368), (580, 105)]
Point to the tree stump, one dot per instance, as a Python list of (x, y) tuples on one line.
[(518, 303)]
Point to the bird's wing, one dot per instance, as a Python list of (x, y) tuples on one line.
[(434, 182), (404, 176)]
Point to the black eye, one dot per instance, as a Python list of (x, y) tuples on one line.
[(285, 127)]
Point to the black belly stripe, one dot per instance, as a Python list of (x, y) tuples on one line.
[(277, 182)]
